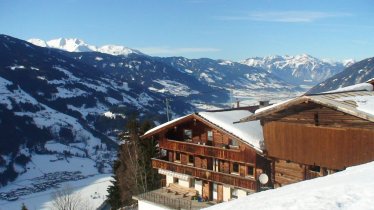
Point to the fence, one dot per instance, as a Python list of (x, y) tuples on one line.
[(175, 203)]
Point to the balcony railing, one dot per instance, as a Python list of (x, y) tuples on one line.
[(205, 174), (174, 203), (210, 151)]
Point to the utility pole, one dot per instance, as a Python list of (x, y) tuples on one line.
[(232, 97), (167, 108)]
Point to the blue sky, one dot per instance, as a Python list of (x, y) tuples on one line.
[(227, 29)]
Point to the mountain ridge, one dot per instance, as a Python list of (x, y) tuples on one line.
[(359, 72), (78, 45), (300, 69)]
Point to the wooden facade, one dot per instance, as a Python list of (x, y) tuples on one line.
[(207, 175), (195, 147), (335, 141), (307, 139)]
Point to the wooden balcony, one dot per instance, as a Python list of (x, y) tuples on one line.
[(205, 174), (209, 151)]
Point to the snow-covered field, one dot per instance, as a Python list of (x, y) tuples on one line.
[(349, 189), (90, 185), (91, 190)]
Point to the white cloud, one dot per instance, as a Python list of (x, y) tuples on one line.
[(175, 51), (285, 16)]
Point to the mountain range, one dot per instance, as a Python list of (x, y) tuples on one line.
[(78, 45), (359, 72), (300, 69)]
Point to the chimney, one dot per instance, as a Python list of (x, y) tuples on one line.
[(264, 103), (237, 103)]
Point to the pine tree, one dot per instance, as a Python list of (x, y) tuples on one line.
[(114, 196), (133, 170), (24, 207)]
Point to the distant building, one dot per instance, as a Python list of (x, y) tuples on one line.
[(315, 135), (206, 160)]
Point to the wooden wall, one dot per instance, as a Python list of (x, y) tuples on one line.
[(219, 193), (172, 140), (330, 147), (199, 134), (207, 190), (306, 113), (288, 173)]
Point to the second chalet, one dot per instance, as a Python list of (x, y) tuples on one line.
[(207, 158), (316, 135)]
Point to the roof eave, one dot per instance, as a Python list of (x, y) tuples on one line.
[(274, 109), (187, 117)]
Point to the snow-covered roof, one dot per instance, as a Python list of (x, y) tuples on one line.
[(165, 125), (356, 100), (361, 86), (249, 132), (349, 189)]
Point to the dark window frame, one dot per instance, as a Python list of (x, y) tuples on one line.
[(252, 170), (189, 159), (207, 134), (237, 166), (189, 136), (177, 154)]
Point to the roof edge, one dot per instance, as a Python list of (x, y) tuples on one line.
[(274, 108)]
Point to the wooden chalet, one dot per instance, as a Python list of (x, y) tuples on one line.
[(206, 154), (315, 135)]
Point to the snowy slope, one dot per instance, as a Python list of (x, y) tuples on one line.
[(349, 189), (49, 95), (78, 45), (45, 172), (46, 96), (354, 74), (300, 69)]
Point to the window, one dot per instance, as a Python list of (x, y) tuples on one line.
[(315, 169), (190, 159), (175, 180), (215, 165), (210, 135), (187, 135), (234, 193), (177, 156), (233, 143), (214, 187), (192, 183), (250, 170), (235, 167)]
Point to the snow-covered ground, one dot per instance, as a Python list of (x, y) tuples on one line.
[(349, 189), (88, 181), (92, 190)]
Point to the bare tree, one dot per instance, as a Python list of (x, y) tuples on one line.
[(65, 199)]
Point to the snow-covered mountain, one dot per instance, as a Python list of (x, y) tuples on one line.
[(228, 74), (67, 97), (77, 45), (359, 72), (300, 69), (54, 101)]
